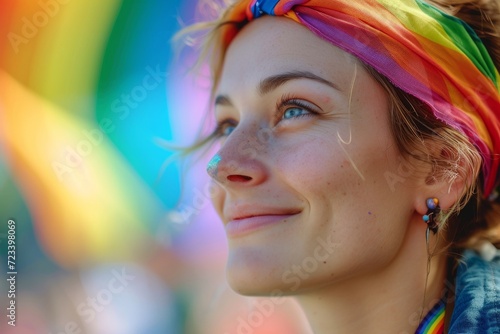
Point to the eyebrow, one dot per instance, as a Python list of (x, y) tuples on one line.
[(273, 82)]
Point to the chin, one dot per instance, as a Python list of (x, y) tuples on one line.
[(249, 277), (247, 288), (246, 284)]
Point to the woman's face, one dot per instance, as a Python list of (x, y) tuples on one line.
[(312, 189)]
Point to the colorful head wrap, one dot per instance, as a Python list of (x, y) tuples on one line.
[(433, 56)]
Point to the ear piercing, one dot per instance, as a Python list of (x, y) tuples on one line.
[(430, 217)]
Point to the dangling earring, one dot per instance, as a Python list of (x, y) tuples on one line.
[(430, 217)]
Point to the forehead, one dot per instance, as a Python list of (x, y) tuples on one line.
[(273, 45)]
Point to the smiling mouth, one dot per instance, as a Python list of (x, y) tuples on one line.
[(243, 226)]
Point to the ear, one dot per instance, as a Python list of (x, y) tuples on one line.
[(447, 177)]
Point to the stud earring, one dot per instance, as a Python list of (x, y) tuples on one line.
[(432, 211)]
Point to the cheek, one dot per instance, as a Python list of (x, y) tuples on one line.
[(326, 166), (343, 185), (308, 160)]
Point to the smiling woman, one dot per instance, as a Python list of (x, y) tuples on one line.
[(358, 157)]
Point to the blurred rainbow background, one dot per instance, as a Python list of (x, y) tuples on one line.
[(106, 241)]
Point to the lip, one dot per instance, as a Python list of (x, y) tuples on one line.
[(242, 226), (237, 211)]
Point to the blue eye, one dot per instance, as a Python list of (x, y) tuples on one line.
[(294, 112), (225, 128), (290, 107), (226, 131)]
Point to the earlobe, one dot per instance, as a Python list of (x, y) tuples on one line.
[(449, 188), (446, 200)]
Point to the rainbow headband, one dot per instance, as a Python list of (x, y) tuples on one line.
[(433, 56)]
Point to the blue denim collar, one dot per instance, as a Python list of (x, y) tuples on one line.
[(477, 303)]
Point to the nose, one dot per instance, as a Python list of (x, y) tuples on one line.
[(240, 161)]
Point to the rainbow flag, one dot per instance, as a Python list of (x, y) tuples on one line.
[(82, 98)]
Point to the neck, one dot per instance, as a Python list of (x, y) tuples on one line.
[(390, 300)]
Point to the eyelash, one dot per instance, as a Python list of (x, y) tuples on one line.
[(286, 102)]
